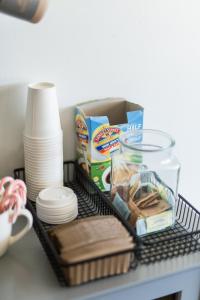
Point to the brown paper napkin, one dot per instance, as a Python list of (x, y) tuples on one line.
[(93, 238), (97, 249), (86, 231)]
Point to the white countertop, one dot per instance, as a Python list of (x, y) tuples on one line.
[(25, 273)]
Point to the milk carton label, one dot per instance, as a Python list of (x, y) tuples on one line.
[(105, 140)]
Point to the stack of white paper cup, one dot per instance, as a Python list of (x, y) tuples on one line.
[(43, 140)]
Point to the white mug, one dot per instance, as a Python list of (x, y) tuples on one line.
[(6, 239)]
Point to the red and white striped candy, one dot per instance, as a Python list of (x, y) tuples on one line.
[(13, 196)]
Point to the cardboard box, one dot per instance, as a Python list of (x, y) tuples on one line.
[(99, 124)]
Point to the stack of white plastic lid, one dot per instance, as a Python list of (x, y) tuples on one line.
[(57, 205), (43, 140)]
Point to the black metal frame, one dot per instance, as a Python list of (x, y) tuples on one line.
[(182, 239), (89, 204)]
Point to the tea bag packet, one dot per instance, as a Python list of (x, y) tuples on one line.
[(140, 196), (122, 171)]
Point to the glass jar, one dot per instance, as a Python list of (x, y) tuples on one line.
[(145, 178)]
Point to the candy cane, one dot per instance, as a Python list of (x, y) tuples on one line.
[(14, 196), (6, 203), (5, 180), (17, 186), (3, 204), (22, 190), (13, 202)]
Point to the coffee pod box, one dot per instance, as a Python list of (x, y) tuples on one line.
[(99, 124)]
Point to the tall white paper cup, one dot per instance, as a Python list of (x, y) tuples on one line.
[(42, 114)]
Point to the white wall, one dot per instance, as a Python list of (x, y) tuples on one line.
[(148, 51)]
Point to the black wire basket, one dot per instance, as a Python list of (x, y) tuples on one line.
[(90, 203), (182, 239)]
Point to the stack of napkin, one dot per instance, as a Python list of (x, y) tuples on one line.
[(93, 245)]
